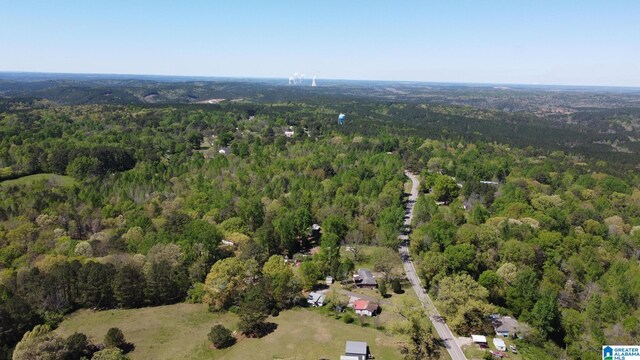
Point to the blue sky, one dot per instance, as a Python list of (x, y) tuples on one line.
[(511, 41)]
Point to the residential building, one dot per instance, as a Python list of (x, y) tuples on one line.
[(365, 307), (507, 326), (364, 278)]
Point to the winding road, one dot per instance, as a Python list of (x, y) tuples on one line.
[(440, 325)]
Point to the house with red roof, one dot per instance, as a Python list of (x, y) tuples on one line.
[(365, 307)]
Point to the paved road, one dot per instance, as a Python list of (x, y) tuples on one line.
[(441, 327)]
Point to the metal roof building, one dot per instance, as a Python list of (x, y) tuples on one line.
[(356, 350)]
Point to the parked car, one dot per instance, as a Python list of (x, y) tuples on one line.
[(513, 349)]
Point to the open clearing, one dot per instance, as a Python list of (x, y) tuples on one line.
[(180, 332), (58, 180)]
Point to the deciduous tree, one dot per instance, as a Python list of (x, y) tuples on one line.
[(228, 279), (386, 261)]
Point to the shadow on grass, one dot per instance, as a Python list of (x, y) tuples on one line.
[(230, 342), (263, 330), (127, 347)]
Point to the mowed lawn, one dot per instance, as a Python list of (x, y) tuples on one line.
[(180, 332), (59, 180), (162, 332)]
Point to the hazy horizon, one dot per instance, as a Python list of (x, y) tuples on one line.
[(307, 81), (572, 43)]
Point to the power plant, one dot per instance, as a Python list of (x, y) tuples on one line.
[(298, 79)]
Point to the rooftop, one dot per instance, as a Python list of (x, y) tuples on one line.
[(507, 324), (365, 277), (362, 304), (356, 348), (498, 342), (479, 338)]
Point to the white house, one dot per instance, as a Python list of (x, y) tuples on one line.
[(365, 307)]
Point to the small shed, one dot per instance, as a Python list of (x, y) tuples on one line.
[(328, 280), (356, 350), (224, 150)]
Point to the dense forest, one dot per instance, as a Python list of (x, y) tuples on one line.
[(124, 205)]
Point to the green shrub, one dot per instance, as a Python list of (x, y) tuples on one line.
[(221, 337), (382, 288), (114, 338), (395, 285), (195, 293)]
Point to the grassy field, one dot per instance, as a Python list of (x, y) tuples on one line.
[(163, 332), (180, 332), (59, 180), (365, 261)]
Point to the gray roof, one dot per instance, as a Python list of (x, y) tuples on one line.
[(366, 277), (506, 324), (356, 348)]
